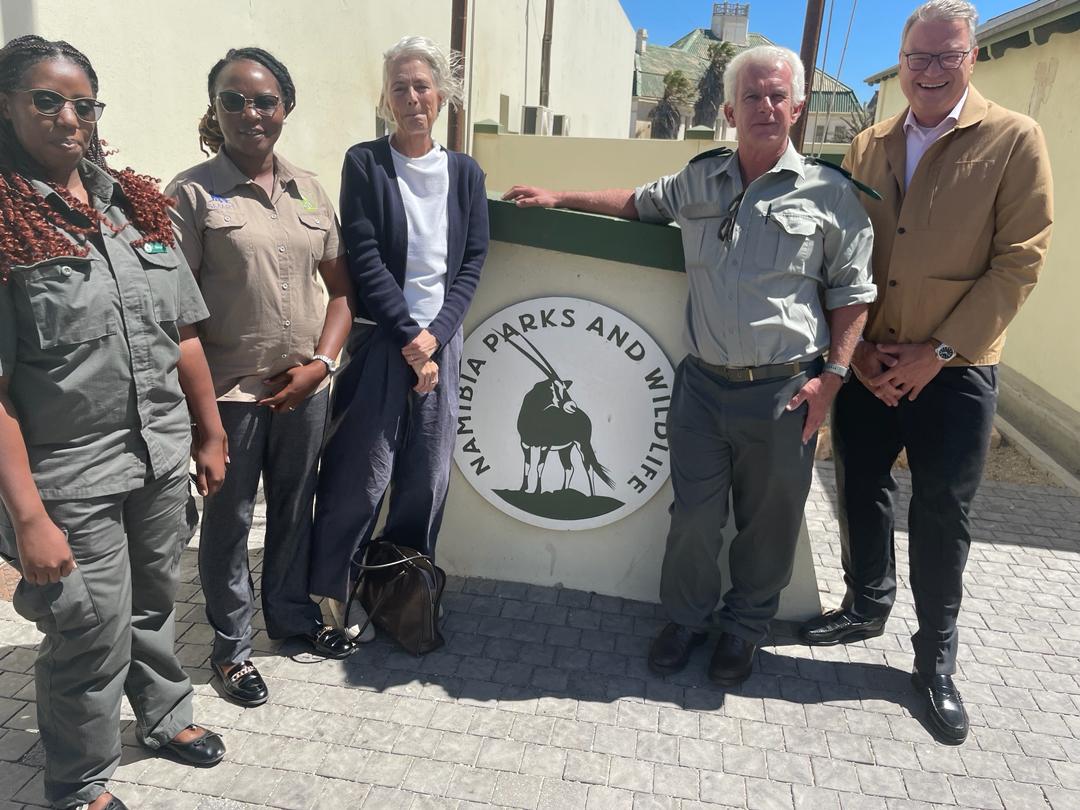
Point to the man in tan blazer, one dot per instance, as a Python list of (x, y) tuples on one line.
[(959, 238)]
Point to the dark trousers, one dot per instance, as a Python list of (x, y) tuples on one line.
[(283, 450), (383, 435), (947, 435), (733, 440)]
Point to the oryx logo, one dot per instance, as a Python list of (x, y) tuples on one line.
[(565, 379)]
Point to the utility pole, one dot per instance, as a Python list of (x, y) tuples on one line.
[(545, 54), (455, 119), (815, 12)]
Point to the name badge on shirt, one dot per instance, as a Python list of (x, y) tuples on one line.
[(307, 204), (154, 247)]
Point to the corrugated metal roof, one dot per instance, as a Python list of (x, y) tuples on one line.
[(690, 55)]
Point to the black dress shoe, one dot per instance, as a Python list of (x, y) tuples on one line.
[(330, 641), (732, 661), (243, 684), (670, 651), (947, 716), (115, 804), (209, 749), (839, 627)]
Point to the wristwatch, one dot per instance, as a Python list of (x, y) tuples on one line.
[(945, 352), (843, 372), (331, 366)]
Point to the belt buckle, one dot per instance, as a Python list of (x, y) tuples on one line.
[(749, 373)]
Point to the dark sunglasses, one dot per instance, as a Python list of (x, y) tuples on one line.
[(233, 102), (727, 224), (50, 103)]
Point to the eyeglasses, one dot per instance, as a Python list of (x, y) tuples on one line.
[(233, 102), (950, 60), (50, 103), (727, 224)]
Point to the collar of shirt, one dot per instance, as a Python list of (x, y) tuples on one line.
[(910, 123), (224, 176), (101, 186), (790, 161)]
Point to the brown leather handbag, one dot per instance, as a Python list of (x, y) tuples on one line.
[(400, 589)]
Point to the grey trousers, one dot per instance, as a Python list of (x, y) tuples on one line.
[(383, 435), (733, 439), (283, 450), (109, 630)]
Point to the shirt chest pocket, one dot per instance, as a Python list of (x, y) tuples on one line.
[(316, 224), (227, 241), (785, 240), (73, 300), (160, 269), (700, 223)]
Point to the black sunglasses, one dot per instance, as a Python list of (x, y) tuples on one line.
[(233, 102), (727, 224), (50, 103)]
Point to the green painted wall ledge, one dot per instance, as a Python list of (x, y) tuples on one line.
[(617, 240)]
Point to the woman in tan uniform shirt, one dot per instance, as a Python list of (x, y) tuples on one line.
[(258, 233)]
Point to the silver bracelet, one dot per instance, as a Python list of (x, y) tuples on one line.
[(331, 366)]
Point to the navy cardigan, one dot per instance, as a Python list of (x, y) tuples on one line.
[(376, 237)]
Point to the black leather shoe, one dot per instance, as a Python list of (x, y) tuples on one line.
[(243, 684), (839, 627), (204, 751), (670, 651), (732, 661), (947, 716), (115, 804), (330, 641)]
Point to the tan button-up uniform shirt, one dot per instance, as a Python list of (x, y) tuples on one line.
[(958, 250), (256, 259), (800, 245)]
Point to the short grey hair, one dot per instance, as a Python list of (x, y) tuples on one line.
[(446, 71), (944, 10), (767, 56)]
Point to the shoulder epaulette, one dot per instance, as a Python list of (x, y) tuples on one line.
[(865, 189), (721, 151)]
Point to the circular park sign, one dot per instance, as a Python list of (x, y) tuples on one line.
[(563, 409)]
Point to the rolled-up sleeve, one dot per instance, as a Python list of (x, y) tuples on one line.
[(660, 200), (849, 243), (7, 331)]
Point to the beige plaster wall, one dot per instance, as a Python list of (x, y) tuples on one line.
[(621, 559), (1043, 82)]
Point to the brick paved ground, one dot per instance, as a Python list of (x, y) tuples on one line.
[(541, 699)]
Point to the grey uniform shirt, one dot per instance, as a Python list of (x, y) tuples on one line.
[(90, 347), (800, 244)]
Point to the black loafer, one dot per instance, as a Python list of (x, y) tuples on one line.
[(115, 804), (670, 651), (243, 684), (330, 641), (839, 627), (732, 661), (948, 719), (204, 751)]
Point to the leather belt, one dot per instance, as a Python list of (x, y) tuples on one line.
[(755, 373)]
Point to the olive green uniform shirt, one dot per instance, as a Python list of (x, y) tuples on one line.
[(800, 244), (90, 347), (256, 260)]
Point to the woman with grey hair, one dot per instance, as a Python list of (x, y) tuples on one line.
[(415, 226)]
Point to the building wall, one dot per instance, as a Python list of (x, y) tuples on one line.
[(1043, 82), (153, 61)]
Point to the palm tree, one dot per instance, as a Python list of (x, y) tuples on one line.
[(711, 85), (667, 115)]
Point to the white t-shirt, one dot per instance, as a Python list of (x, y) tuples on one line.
[(424, 183)]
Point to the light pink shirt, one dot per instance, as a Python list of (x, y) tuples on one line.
[(920, 138)]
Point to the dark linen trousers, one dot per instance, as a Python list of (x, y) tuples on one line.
[(283, 450), (383, 435), (109, 630), (733, 440), (947, 435)]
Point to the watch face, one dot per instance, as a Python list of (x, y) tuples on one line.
[(946, 353)]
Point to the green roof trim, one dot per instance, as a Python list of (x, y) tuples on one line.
[(580, 234)]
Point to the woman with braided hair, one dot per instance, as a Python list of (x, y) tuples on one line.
[(101, 378), (259, 234)]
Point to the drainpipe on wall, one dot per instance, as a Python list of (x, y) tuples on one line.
[(545, 54), (455, 120)]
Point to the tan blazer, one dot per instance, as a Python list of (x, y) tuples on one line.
[(957, 253)]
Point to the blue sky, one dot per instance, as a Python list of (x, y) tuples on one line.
[(872, 47)]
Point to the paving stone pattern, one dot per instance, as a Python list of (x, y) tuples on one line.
[(541, 700)]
